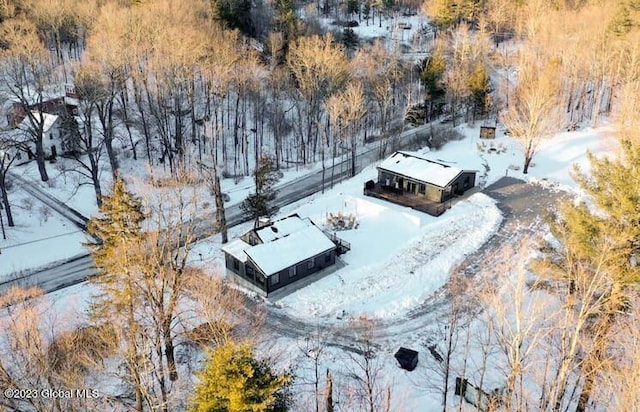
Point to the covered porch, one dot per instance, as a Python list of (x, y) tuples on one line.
[(397, 196)]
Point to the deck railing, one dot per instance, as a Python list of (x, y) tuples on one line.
[(343, 245)]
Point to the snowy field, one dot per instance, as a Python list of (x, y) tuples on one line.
[(398, 256)]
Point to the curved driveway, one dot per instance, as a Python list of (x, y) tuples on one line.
[(523, 206)]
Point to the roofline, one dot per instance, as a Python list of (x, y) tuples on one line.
[(421, 158), (424, 181)]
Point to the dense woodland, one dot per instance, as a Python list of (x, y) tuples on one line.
[(207, 88)]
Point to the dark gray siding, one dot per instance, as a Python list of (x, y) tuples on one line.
[(464, 182), (246, 271), (301, 270)]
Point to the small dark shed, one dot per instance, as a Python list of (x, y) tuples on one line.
[(407, 358), (487, 132)]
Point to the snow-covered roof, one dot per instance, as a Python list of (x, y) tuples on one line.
[(236, 249), (49, 120), (281, 228), (287, 251), (420, 168)]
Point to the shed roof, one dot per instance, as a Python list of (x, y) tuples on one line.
[(420, 168), (287, 251)]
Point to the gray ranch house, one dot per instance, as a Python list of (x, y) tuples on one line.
[(418, 182), (280, 253)]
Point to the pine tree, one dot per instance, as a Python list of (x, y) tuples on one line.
[(433, 69), (480, 88), (234, 381), (601, 250), (261, 203), (116, 256), (70, 135)]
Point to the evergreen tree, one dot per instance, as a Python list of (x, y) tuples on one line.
[(349, 38), (71, 138), (118, 227), (116, 257), (261, 203), (234, 381), (353, 6), (601, 242), (480, 88), (433, 69)]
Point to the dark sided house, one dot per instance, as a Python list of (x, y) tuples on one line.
[(281, 253), (418, 182)]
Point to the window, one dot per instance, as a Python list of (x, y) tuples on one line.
[(236, 264), (422, 188), (311, 263), (466, 181), (275, 278), (327, 258), (249, 271)]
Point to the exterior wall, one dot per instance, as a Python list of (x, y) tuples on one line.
[(434, 193), (301, 270), (461, 184), (388, 179), (465, 181), (245, 271)]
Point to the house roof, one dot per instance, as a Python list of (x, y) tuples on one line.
[(414, 166), (281, 228), (287, 251), (49, 121), (236, 249)]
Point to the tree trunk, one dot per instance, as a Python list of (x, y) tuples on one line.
[(170, 353), (134, 356), (5, 201), (96, 182), (220, 213), (527, 162), (329, 392), (40, 159)]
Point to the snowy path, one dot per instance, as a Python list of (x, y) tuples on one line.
[(522, 205)]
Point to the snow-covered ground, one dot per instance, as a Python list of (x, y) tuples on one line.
[(40, 237), (398, 256)]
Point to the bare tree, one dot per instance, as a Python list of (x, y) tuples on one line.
[(86, 144), (319, 69), (533, 112), (313, 349), (33, 362), (8, 152), (364, 368), (28, 78)]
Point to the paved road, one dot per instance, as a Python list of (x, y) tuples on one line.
[(79, 268)]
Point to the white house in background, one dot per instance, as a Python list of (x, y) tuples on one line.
[(51, 132), (281, 253)]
